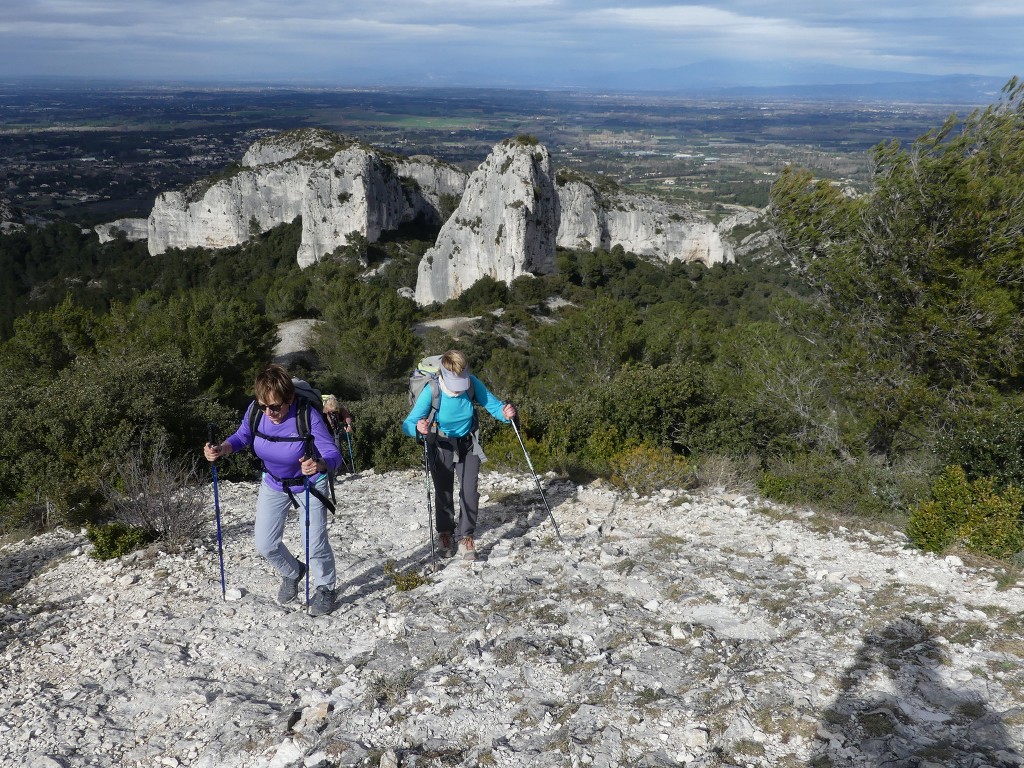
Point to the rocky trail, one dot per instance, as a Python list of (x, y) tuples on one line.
[(704, 629)]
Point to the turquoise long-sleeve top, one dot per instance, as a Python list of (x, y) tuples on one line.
[(455, 414)]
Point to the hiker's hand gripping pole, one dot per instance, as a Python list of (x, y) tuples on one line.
[(216, 511), (515, 426)]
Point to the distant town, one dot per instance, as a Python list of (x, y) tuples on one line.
[(91, 156)]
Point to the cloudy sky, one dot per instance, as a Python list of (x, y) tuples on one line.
[(526, 42)]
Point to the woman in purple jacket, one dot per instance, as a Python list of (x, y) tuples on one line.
[(277, 442)]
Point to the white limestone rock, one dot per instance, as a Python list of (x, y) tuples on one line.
[(356, 191), (504, 227), (432, 186), (132, 229), (12, 218), (606, 217), (335, 184), (538, 651)]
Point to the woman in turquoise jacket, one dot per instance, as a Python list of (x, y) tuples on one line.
[(453, 445)]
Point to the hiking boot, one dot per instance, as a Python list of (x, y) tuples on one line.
[(446, 546), (289, 589), (467, 549), (322, 602)]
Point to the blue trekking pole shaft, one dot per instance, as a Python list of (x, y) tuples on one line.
[(310, 453), (540, 487), (351, 458), (216, 511), (430, 511)]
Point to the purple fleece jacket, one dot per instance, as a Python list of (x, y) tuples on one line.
[(282, 458)]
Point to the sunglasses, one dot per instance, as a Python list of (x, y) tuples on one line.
[(275, 408)]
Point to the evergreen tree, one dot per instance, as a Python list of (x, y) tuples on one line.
[(920, 284)]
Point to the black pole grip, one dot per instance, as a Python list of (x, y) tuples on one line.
[(310, 449), (209, 432)]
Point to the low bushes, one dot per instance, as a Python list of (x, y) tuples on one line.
[(971, 513), (646, 469), (116, 539)]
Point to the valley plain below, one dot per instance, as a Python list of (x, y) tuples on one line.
[(92, 153)]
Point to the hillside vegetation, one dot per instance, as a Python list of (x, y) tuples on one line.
[(878, 353)]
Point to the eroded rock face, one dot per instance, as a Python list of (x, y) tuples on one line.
[(640, 224), (504, 227), (11, 218), (356, 191), (132, 229), (510, 212), (229, 211), (509, 223), (337, 185), (432, 187)]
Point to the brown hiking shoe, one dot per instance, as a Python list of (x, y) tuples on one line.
[(446, 545), (467, 549)]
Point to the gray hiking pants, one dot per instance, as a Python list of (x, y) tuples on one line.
[(272, 509), (449, 457)]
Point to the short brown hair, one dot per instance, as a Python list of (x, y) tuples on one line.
[(274, 381)]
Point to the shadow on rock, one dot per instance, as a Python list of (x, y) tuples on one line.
[(896, 709), (508, 519), (18, 567)]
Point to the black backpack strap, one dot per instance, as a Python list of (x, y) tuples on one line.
[(302, 418), (435, 402), (289, 482), (253, 417)]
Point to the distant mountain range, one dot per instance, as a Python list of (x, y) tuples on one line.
[(727, 78)]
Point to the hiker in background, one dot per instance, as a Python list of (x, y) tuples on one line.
[(339, 419), (338, 414), (453, 446), (278, 442)]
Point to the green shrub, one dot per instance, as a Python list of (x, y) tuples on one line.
[(646, 469), (866, 486), (504, 452), (603, 444), (802, 479), (990, 444), (377, 438), (404, 580), (971, 513), (116, 539)]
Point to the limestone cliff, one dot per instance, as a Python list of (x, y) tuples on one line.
[(337, 185), (504, 227), (510, 212), (433, 188), (132, 229), (596, 214), (11, 218)]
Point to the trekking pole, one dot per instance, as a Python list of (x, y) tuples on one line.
[(540, 488), (430, 512), (337, 427), (309, 453), (351, 458), (216, 511)]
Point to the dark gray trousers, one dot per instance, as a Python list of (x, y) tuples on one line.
[(449, 457)]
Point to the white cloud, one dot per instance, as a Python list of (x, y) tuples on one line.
[(938, 36), (709, 29)]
